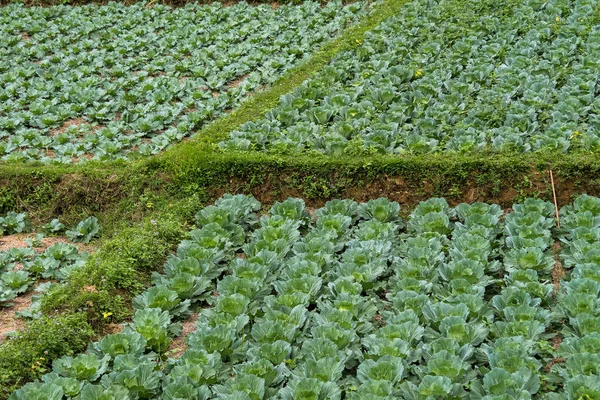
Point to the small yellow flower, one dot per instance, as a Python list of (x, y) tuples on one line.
[(574, 134), (358, 41), (419, 72), (557, 18), (106, 314)]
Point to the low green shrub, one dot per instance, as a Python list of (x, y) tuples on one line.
[(29, 354)]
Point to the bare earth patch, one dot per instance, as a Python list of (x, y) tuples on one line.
[(9, 322), (13, 241), (113, 328), (558, 271), (177, 346), (66, 124), (18, 240), (236, 82)]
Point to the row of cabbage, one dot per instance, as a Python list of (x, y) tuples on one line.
[(450, 75), (21, 268), (355, 302), (579, 302), (103, 81), (83, 232)]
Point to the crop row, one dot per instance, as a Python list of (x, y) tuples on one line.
[(102, 81), (55, 264), (356, 302), (22, 267), (448, 75), (578, 302)]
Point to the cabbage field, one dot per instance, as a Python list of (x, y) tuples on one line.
[(102, 82), (353, 301), (441, 77), (299, 200), (21, 268)]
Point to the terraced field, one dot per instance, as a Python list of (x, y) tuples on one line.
[(102, 82), (395, 199), (356, 302), (442, 76), (21, 267)]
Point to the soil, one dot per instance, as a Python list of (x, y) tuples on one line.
[(18, 240), (9, 322), (113, 328), (236, 82), (558, 271), (66, 124), (407, 192), (177, 346)]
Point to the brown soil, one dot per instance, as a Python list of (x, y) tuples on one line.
[(558, 360), (236, 82), (13, 241), (177, 346), (408, 191), (113, 328), (66, 124), (556, 341), (90, 289), (18, 240), (558, 271), (8, 320)]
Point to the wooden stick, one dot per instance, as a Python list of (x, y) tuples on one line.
[(555, 202)]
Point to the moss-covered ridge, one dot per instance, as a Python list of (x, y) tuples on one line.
[(133, 192)]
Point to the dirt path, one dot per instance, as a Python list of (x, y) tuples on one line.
[(18, 240), (177, 346), (8, 320)]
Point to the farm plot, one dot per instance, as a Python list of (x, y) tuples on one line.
[(356, 302), (450, 76), (32, 264), (103, 81)]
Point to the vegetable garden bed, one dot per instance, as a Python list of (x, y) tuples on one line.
[(449, 76), (355, 301), (410, 103), (101, 82)]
